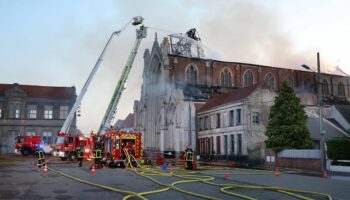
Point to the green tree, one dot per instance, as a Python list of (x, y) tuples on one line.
[(287, 127)]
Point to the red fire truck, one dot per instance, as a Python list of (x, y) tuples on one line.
[(115, 142), (27, 144), (67, 144)]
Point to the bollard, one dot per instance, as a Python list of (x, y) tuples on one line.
[(277, 173), (227, 174)]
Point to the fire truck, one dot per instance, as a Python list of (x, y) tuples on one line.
[(66, 145), (27, 144), (114, 145)]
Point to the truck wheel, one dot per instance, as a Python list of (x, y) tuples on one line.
[(63, 158), (25, 152), (71, 156)]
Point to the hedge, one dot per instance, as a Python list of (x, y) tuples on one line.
[(338, 149)]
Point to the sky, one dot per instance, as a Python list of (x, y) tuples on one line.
[(57, 42)]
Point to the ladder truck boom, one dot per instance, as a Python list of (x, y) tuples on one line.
[(112, 107), (65, 128)]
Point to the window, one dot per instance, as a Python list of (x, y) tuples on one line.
[(218, 145), (325, 90), (207, 145), (226, 78), (69, 140), (48, 112), (231, 118), (238, 119), (255, 118), (308, 87), (63, 112), (232, 144), (47, 137), (206, 122), (248, 78), (290, 81), (191, 74), (270, 80), (31, 111), (225, 144), (17, 111), (212, 145), (200, 124), (239, 143), (218, 120), (30, 133), (341, 89)]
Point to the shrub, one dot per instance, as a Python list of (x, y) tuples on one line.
[(338, 149)]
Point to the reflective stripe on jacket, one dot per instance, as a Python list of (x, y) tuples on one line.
[(80, 153), (189, 156), (40, 155), (98, 153)]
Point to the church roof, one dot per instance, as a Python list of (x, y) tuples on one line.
[(332, 70), (224, 98), (41, 91)]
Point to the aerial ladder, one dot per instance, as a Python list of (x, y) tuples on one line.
[(113, 104), (67, 123)]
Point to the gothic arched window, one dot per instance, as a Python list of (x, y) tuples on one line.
[(226, 78), (341, 89), (290, 81), (191, 74), (270, 80), (325, 90), (308, 86), (248, 78)]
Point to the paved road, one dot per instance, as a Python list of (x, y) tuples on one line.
[(20, 179)]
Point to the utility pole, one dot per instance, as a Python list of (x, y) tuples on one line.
[(319, 96), (319, 99)]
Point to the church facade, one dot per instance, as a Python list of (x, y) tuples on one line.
[(175, 86)]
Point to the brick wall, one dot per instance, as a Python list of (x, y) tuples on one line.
[(297, 163)]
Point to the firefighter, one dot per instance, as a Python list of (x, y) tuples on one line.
[(80, 155), (40, 156), (189, 158), (98, 155)]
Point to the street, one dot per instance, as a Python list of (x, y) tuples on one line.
[(21, 179)]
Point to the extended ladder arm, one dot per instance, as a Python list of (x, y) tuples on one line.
[(65, 128), (112, 107)]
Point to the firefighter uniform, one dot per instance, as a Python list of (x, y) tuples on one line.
[(40, 156), (97, 156), (189, 158), (80, 154)]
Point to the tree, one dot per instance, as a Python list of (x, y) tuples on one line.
[(287, 127)]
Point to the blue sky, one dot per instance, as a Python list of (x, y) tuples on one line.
[(52, 42)]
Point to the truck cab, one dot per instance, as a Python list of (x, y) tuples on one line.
[(66, 145), (26, 145)]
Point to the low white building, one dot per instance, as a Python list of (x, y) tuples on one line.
[(234, 123)]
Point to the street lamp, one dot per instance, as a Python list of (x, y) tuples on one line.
[(319, 98)]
